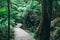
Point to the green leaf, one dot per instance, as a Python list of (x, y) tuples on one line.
[(3, 9)]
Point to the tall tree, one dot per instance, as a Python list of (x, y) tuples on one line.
[(44, 26)]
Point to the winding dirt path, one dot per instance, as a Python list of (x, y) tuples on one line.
[(20, 34)]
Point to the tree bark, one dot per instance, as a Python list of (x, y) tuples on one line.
[(44, 26)]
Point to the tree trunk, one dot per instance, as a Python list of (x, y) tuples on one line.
[(44, 26)]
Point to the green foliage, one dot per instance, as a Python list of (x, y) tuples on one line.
[(57, 34), (3, 9), (26, 11), (58, 24), (19, 11), (4, 21), (21, 8)]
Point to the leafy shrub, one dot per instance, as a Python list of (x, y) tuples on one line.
[(4, 22), (27, 12)]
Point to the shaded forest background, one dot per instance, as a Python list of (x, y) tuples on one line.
[(28, 13)]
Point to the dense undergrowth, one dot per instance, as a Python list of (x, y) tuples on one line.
[(27, 12)]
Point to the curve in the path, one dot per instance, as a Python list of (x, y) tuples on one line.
[(20, 34)]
